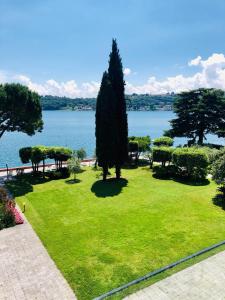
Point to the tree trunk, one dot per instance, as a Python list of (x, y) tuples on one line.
[(118, 171), (43, 167), (105, 172), (96, 163), (200, 138)]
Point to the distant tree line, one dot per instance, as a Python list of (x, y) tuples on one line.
[(133, 102)]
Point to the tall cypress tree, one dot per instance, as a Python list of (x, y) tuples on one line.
[(111, 118), (120, 135), (105, 116)]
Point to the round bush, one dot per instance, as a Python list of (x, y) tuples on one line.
[(162, 154), (163, 141), (164, 172), (191, 162)]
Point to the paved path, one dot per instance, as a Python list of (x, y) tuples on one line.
[(26, 270), (204, 280)]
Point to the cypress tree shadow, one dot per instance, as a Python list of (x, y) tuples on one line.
[(188, 181), (108, 188), (219, 200), (23, 184)]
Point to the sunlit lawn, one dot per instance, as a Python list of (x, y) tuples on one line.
[(102, 235)]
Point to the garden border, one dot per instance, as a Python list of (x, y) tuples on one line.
[(158, 271)]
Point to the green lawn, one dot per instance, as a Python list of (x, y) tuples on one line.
[(102, 235)]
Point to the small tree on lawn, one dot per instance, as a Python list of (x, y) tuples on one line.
[(74, 165), (81, 153), (218, 173)]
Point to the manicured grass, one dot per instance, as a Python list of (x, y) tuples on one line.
[(102, 235)]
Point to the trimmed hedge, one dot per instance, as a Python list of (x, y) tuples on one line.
[(165, 172), (40, 153), (191, 162), (163, 141), (162, 154)]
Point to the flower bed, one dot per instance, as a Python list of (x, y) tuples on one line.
[(9, 215)]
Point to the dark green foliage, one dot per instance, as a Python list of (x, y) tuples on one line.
[(144, 142), (199, 112), (105, 127), (40, 153), (165, 172), (218, 168), (191, 162), (162, 155), (120, 135), (61, 173), (138, 145), (81, 153), (25, 154), (60, 155), (20, 109), (111, 118), (163, 141), (7, 218), (133, 146)]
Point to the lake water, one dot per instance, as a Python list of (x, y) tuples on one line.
[(76, 129)]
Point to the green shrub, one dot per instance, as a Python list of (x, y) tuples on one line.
[(133, 146), (25, 154), (165, 172), (61, 173), (81, 153), (162, 154), (8, 219), (191, 162), (65, 172), (163, 141), (139, 144), (218, 170)]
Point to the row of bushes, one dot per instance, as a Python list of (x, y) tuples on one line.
[(142, 144), (40, 153), (186, 162), (37, 154)]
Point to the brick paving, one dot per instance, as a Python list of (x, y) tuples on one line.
[(26, 270), (204, 280)]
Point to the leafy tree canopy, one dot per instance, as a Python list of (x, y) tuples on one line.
[(199, 112), (20, 109), (163, 141)]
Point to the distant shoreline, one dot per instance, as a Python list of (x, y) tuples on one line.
[(134, 102), (83, 110)]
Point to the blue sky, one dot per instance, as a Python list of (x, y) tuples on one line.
[(62, 47)]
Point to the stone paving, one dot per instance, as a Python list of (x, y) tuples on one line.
[(204, 280), (26, 270)]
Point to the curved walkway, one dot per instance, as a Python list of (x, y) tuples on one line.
[(27, 271), (204, 280)]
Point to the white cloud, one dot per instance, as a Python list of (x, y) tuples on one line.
[(127, 71), (68, 89), (195, 61), (210, 73)]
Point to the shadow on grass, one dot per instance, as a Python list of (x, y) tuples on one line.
[(219, 200), (72, 181), (23, 184), (191, 182), (108, 188)]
